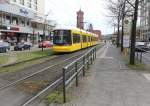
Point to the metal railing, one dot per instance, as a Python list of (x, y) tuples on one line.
[(70, 72), (139, 53), (74, 69)]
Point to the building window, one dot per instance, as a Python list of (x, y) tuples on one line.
[(29, 4), (22, 21), (22, 2), (8, 18), (28, 22), (35, 1), (14, 20)]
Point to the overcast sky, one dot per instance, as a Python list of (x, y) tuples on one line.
[(64, 12)]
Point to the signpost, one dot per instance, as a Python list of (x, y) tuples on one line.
[(126, 37)]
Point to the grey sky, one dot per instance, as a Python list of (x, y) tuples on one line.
[(64, 12)]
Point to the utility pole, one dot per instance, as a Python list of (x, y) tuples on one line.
[(133, 33)]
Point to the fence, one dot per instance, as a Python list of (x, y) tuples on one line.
[(70, 72), (74, 69), (139, 53)]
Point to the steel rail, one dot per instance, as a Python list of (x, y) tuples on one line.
[(143, 50), (57, 82), (33, 74)]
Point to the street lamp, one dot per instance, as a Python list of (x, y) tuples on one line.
[(43, 38)]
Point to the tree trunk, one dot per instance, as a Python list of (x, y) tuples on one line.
[(133, 34), (118, 35)]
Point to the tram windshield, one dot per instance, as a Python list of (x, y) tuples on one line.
[(62, 37)]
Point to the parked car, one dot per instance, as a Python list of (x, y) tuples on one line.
[(148, 45), (23, 46), (141, 46), (28, 43), (4, 47), (45, 44)]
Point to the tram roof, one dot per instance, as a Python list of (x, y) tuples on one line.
[(74, 28)]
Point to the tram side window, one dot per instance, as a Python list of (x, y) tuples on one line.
[(76, 38), (62, 37), (89, 39), (84, 38)]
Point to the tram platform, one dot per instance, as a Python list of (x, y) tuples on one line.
[(112, 83)]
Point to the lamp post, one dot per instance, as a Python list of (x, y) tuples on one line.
[(43, 38)]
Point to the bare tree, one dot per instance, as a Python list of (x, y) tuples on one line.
[(120, 9), (115, 10)]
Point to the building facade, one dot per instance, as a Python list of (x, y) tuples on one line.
[(23, 20), (145, 20), (80, 19)]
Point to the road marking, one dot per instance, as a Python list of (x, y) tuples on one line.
[(107, 57), (147, 76), (103, 55), (100, 50)]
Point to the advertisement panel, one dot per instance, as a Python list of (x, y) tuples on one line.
[(126, 37)]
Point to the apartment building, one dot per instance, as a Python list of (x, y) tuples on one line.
[(145, 20), (23, 20)]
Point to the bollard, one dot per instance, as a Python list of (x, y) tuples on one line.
[(64, 85), (76, 69)]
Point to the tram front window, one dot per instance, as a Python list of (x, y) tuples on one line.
[(62, 37)]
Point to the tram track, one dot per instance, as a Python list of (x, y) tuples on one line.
[(44, 76), (36, 99)]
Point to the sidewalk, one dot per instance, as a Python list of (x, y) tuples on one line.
[(112, 84)]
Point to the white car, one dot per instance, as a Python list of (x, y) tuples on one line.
[(28, 43), (141, 46), (140, 43)]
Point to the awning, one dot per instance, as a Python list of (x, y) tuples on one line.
[(13, 31)]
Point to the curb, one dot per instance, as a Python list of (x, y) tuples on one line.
[(15, 63)]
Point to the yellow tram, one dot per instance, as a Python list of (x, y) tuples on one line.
[(71, 39)]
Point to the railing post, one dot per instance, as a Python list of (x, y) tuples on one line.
[(88, 61), (95, 52), (64, 85), (83, 65), (141, 57), (91, 57), (76, 69), (137, 55)]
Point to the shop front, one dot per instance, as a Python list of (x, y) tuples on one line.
[(13, 35)]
